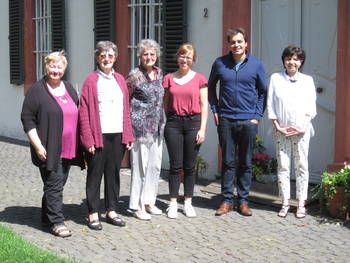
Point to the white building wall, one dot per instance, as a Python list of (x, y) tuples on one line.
[(11, 98), (206, 35), (80, 40)]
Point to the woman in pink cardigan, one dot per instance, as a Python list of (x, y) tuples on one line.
[(105, 123)]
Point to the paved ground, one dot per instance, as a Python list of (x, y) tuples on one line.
[(264, 237)]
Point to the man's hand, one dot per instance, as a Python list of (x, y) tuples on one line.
[(216, 119)]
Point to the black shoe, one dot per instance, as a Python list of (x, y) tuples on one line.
[(117, 221), (95, 225)]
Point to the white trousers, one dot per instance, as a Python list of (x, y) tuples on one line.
[(296, 148), (145, 170)]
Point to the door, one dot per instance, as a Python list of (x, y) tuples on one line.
[(312, 25)]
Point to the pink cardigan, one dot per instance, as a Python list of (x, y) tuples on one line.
[(89, 119)]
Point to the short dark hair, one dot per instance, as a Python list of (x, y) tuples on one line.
[(233, 32), (290, 51)]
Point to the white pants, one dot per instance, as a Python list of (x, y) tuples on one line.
[(145, 170), (296, 148)]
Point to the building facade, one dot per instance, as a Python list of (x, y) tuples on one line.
[(31, 28)]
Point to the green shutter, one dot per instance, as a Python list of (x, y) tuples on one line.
[(104, 20), (16, 41), (174, 31), (58, 24)]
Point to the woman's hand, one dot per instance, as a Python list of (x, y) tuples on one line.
[(92, 150), (41, 152), (129, 146), (36, 142), (200, 136), (292, 131)]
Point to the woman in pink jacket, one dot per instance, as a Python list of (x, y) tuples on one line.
[(105, 133)]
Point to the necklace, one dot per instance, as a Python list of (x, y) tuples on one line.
[(63, 99)]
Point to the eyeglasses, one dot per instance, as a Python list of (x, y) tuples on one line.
[(104, 56), (182, 57), (152, 55)]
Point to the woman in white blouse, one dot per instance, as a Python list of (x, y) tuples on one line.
[(291, 105)]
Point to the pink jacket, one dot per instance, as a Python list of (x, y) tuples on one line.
[(89, 119)]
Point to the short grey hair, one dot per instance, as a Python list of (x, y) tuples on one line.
[(104, 46), (149, 44)]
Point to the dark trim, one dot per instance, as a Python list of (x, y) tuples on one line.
[(58, 25), (241, 18), (174, 31), (104, 20), (16, 42), (14, 141)]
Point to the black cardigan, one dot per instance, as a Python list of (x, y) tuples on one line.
[(41, 111)]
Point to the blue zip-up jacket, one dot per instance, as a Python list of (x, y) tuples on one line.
[(242, 93)]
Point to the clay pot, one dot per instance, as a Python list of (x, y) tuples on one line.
[(339, 204)]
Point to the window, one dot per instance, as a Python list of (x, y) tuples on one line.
[(43, 34), (50, 30), (146, 22)]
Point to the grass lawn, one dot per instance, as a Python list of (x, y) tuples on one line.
[(14, 249)]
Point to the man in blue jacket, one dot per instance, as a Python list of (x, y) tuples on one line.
[(237, 112)]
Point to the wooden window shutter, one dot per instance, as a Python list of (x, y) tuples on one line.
[(16, 41), (104, 20), (58, 25), (174, 31)]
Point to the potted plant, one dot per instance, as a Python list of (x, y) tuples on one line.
[(334, 192), (264, 166)]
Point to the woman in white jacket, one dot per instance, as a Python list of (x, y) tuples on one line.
[(291, 105)]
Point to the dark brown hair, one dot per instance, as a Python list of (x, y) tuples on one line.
[(233, 32), (290, 51)]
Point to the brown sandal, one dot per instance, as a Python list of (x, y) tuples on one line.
[(61, 230)]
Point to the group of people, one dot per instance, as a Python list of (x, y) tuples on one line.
[(136, 113)]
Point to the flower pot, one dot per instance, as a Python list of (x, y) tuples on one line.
[(266, 178), (339, 204)]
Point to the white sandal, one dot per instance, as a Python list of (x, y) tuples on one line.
[(301, 212), (284, 211)]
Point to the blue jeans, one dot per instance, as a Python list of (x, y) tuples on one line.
[(236, 135)]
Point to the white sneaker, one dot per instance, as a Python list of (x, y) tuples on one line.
[(172, 210), (189, 211), (142, 215), (153, 210)]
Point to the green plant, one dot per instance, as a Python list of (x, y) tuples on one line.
[(201, 165), (330, 182)]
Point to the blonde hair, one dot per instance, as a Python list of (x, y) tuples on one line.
[(56, 56), (184, 49)]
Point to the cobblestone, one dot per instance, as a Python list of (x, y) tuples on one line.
[(264, 237)]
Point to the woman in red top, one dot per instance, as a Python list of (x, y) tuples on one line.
[(186, 105)]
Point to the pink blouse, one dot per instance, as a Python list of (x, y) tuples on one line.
[(185, 99), (70, 125)]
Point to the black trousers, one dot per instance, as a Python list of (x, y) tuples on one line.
[(180, 137), (52, 201), (106, 161)]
